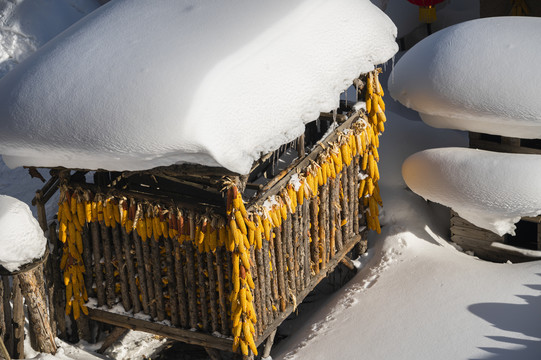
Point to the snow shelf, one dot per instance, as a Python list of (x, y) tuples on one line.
[(134, 86), (472, 76), (491, 190)]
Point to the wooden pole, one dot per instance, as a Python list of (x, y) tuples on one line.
[(256, 293), (181, 288), (290, 256), (124, 287), (202, 289), (87, 258), (8, 327), (305, 259), (127, 247), (59, 295), (268, 344), (267, 279), (148, 276), (37, 310), (157, 277), (280, 268), (110, 295), (296, 234), (192, 297), (214, 312), (172, 280), (224, 320), (260, 285), (141, 272), (96, 252), (345, 208), (18, 319)]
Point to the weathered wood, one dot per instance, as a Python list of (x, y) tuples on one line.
[(141, 272), (260, 285), (96, 252), (182, 298), (121, 267), (268, 344), (344, 220), (37, 311), (40, 207), (296, 241), (290, 256), (203, 289), (476, 233), (224, 319), (213, 354), (187, 336), (110, 295), (113, 336), (267, 279), (87, 258), (355, 195), (256, 293), (127, 247), (171, 280), (338, 212), (274, 274), (351, 197), (192, 296), (149, 277), (332, 217), (83, 329), (300, 146), (3, 350), (324, 223), (8, 327), (157, 276), (49, 268), (348, 263), (18, 320), (305, 259), (59, 295), (3, 329), (280, 268), (281, 316), (214, 312)]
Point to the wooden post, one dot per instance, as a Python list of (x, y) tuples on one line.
[(355, 195), (290, 257), (299, 283), (192, 297), (130, 268), (305, 256), (18, 319), (256, 293), (3, 329), (345, 208), (337, 212), (172, 280), (141, 272), (260, 285), (8, 328), (202, 289), (124, 287), (267, 279), (181, 288), (110, 295), (268, 344), (212, 292), (96, 252), (280, 268), (274, 274), (40, 206), (324, 223), (224, 319), (157, 276), (59, 295), (37, 310), (87, 258), (148, 276)]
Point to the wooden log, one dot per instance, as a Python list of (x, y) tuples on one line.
[(37, 310), (40, 207), (96, 253), (290, 256), (127, 247), (260, 285), (203, 289), (121, 265), (113, 336), (214, 311), (187, 336), (149, 277), (18, 320), (268, 344), (332, 218), (3, 329), (157, 276), (8, 327), (87, 258), (355, 195), (296, 234), (324, 223), (191, 282), (49, 268), (314, 234), (274, 274), (268, 281), (256, 293), (59, 295), (110, 295), (338, 212), (171, 280), (305, 246), (181, 287), (344, 219), (224, 319), (280, 268), (351, 204), (141, 272)]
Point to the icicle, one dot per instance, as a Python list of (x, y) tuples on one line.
[(356, 92), (334, 115), (318, 125)]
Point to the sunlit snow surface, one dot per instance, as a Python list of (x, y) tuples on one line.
[(134, 85), (21, 238), (475, 76), (492, 190)]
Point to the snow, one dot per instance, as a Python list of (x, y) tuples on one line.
[(458, 178), (21, 238), (475, 76), (415, 297), (135, 86)]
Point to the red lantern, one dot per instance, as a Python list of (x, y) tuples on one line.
[(427, 10)]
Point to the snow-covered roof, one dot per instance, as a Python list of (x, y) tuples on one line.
[(475, 76), (21, 238), (491, 190), (136, 84)]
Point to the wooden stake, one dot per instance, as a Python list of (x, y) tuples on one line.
[(355, 195), (87, 259), (130, 269), (224, 320), (290, 257), (324, 223), (201, 263), (110, 295), (171, 280), (299, 283), (261, 286), (192, 299), (59, 295), (256, 293), (181, 288), (214, 312), (18, 320), (305, 259), (267, 278), (124, 287), (149, 277), (157, 277), (141, 272), (268, 344), (96, 252), (280, 268), (345, 208)]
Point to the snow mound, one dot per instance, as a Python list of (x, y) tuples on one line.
[(471, 76), (134, 85), (21, 238), (25, 25), (491, 190)]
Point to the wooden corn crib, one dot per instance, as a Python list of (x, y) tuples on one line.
[(177, 252)]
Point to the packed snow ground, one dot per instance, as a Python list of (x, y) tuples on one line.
[(416, 296)]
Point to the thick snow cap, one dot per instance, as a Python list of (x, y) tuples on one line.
[(21, 238), (491, 190), (475, 76), (136, 84)]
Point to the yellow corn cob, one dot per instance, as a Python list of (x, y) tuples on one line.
[(249, 338), (258, 238), (267, 228), (243, 347), (300, 194), (250, 281), (240, 222), (148, 226), (62, 230), (156, 227), (68, 307), (235, 275), (242, 299), (237, 330), (164, 227), (81, 213), (141, 228), (370, 186), (331, 168), (245, 260), (369, 85), (79, 242), (66, 212), (115, 210), (381, 103)]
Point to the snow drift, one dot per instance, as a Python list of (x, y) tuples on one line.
[(472, 76), (134, 85), (21, 238), (490, 190)]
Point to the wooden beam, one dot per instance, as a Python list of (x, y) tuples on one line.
[(186, 336)]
